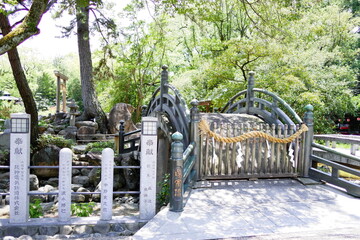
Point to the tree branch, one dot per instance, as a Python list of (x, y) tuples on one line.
[(26, 29)]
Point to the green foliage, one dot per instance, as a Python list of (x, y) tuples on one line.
[(82, 209), (47, 139), (163, 196), (99, 146), (6, 108), (35, 209)]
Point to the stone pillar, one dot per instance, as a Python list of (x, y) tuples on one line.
[(107, 179), (177, 166), (65, 176), (19, 167), (250, 93), (309, 136), (194, 135), (148, 168)]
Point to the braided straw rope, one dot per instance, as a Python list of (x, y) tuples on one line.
[(205, 130)]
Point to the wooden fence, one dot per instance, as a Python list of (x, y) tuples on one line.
[(251, 158)]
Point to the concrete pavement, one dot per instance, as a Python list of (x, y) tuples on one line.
[(261, 209)]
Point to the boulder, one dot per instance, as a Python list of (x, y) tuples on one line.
[(81, 180), (86, 133), (34, 182), (121, 111), (92, 124), (132, 176), (4, 141), (48, 156), (94, 176), (84, 190)]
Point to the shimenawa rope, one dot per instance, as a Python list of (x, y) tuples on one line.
[(205, 130)]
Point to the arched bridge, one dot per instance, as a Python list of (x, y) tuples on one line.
[(257, 135)]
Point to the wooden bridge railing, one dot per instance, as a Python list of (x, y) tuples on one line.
[(322, 158)]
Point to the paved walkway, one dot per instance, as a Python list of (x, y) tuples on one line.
[(262, 209)]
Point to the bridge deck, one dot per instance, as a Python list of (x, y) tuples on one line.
[(267, 209)]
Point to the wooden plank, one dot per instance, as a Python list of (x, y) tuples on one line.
[(233, 166), (253, 153), (272, 156), (220, 149), (285, 151), (227, 154), (267, 150), (247, 150), (278, 153)]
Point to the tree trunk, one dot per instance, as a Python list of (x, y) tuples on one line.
[(92, 108), (21, 82)]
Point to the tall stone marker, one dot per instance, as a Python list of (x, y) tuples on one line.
[(107, 181), (65, 171), (19, 167), (148, 168)]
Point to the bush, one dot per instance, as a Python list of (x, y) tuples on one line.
[(99, 146), (35, 209), (82, 209), (47, 139)]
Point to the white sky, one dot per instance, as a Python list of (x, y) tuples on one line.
[(48, 43)]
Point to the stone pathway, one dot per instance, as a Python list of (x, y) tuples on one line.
[(262, 209)]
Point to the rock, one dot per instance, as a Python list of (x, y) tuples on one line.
[(118, 227), (94, 159), (82, 180), (14, 231), (5, 141), (92, 124), (5, 181), (54, 182), (83, 229), (42, 198), (4, 157), (32, 230), (69, 132), (96, 197), (47, 206), (66, 230), (9, 238), (86, 133), (34, 182), (87, 196), (75, 187), (77, 198), (48, 156), (48, 230), (132, 226), (85, 171), (101, 228), (42, 129), (94, 176), (132, 176), (75, 172), (121, 111), (119, 180), (50, 131), (58, 128)]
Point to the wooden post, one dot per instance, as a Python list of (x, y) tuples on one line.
[(163, 87), (64, 96), (194, 135), (177, 166), (121, 136), (309, 135), (58, 83)]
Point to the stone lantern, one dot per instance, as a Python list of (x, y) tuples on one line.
[(73, 112)]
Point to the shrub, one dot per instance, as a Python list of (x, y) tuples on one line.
[(99, 146), (163, 196), (35, 209), (47, 139), (82, 209)]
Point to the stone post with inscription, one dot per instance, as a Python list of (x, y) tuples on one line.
[(19, 167), (65, 171), (176, 166), (107, 181), (148, 168)]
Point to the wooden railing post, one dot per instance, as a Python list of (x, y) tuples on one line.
[(194, 135), (121, 136), (177, 165), (163, 86), (309, 136), (250, 93)]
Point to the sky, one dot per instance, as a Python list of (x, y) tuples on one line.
[(49, 44)]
